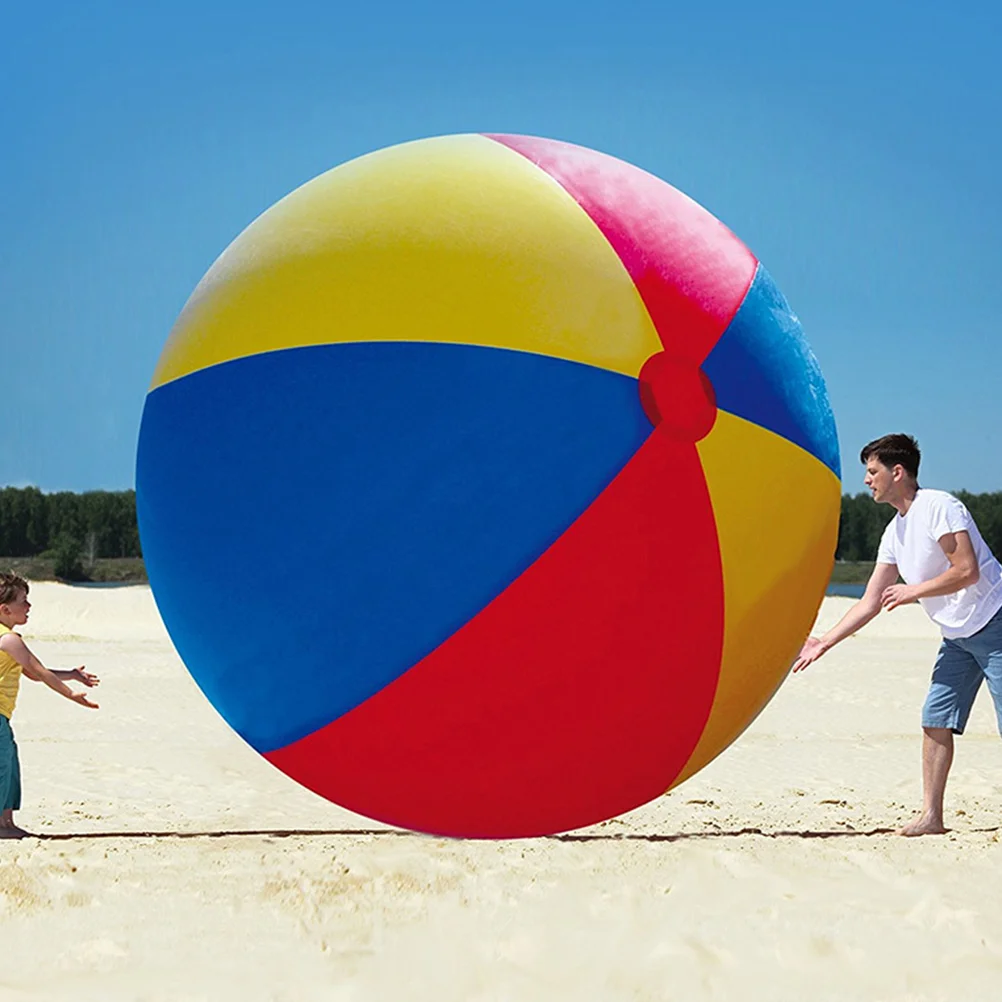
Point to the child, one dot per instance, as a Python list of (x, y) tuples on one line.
[(16, 660)]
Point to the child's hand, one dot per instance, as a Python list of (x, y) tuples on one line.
[(81, 698), (85, 676)]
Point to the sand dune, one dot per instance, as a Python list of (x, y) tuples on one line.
[(769, 876)]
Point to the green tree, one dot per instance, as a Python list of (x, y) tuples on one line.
[(68, 552), (861, 526), (64, 516), (14, 519), (36, 527)]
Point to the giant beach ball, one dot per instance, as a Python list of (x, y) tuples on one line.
[(487, 486)]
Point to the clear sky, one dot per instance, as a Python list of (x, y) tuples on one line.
[(855, 147)]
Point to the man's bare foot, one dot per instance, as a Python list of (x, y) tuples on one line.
[(924, 824)]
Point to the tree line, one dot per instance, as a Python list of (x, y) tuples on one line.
[(103, 523), (99, 523)]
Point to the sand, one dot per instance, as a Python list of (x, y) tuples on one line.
[(175, 864)]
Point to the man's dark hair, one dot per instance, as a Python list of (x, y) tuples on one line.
[(894, 450)]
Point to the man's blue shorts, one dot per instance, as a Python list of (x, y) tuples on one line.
[(10, 768), (960, 667)]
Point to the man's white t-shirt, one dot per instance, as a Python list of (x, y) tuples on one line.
[(912, 542)]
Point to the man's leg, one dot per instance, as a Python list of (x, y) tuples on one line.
[(937, 757), (989, 649), (956, 678)]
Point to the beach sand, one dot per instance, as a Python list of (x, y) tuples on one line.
[(176, 864)]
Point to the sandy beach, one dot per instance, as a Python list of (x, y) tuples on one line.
[(173, 863)]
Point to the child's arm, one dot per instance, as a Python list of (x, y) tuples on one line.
[(76, 675), (32, 668)]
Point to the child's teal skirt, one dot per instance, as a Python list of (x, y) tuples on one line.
[(10, 768)]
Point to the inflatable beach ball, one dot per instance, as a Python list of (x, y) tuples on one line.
[(487, 486)]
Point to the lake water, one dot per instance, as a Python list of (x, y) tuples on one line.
[(846, 590)]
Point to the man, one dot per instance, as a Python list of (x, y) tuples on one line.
[(938, 551)]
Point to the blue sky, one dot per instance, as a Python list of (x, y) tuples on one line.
[(854, 147)]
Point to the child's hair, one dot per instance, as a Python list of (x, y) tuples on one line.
[(894, 450), (11, 585)]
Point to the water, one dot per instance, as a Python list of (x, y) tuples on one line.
[(846, 590)]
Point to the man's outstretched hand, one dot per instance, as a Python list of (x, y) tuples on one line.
[(809, 653), (81, 698)]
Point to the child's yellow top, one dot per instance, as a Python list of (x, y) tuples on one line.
[(10, 678)]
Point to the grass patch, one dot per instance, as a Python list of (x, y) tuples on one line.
[(104, 570), (851, 571)]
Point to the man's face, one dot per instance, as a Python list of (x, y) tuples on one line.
[(880, 479), (17, 609)]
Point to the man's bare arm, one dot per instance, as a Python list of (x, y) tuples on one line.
[(859, 614)]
